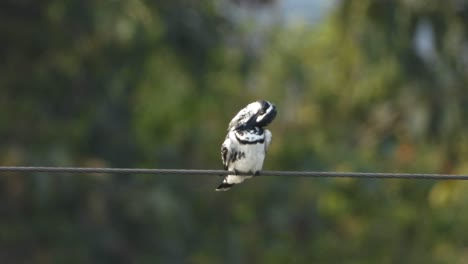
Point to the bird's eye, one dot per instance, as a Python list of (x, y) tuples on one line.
[(262, 112)]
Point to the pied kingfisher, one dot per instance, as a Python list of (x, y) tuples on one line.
[(246, 142)]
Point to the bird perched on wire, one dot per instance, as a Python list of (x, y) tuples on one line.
[(247, 142)]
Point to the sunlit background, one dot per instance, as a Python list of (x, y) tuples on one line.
[(367, 86)]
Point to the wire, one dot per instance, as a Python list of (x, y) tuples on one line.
[(315, 174)]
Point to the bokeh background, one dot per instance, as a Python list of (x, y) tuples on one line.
[(368, 85)]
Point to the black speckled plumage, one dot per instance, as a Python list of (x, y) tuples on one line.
[(247, 142)]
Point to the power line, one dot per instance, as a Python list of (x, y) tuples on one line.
[(315, 174)]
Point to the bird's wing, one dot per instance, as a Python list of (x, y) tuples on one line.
[(226, 152), (267, 139)]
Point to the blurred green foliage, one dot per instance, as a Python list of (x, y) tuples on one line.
[(377, 86)]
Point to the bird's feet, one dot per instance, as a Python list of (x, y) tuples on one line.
[(257, 173)]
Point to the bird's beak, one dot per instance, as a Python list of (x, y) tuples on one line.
[(252, 121), (249, 123)]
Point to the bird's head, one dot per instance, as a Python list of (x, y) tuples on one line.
[(257, 114)]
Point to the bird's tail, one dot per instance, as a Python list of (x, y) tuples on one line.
[(230, 181), (224, 186)]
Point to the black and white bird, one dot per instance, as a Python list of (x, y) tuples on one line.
[(247, 142)]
